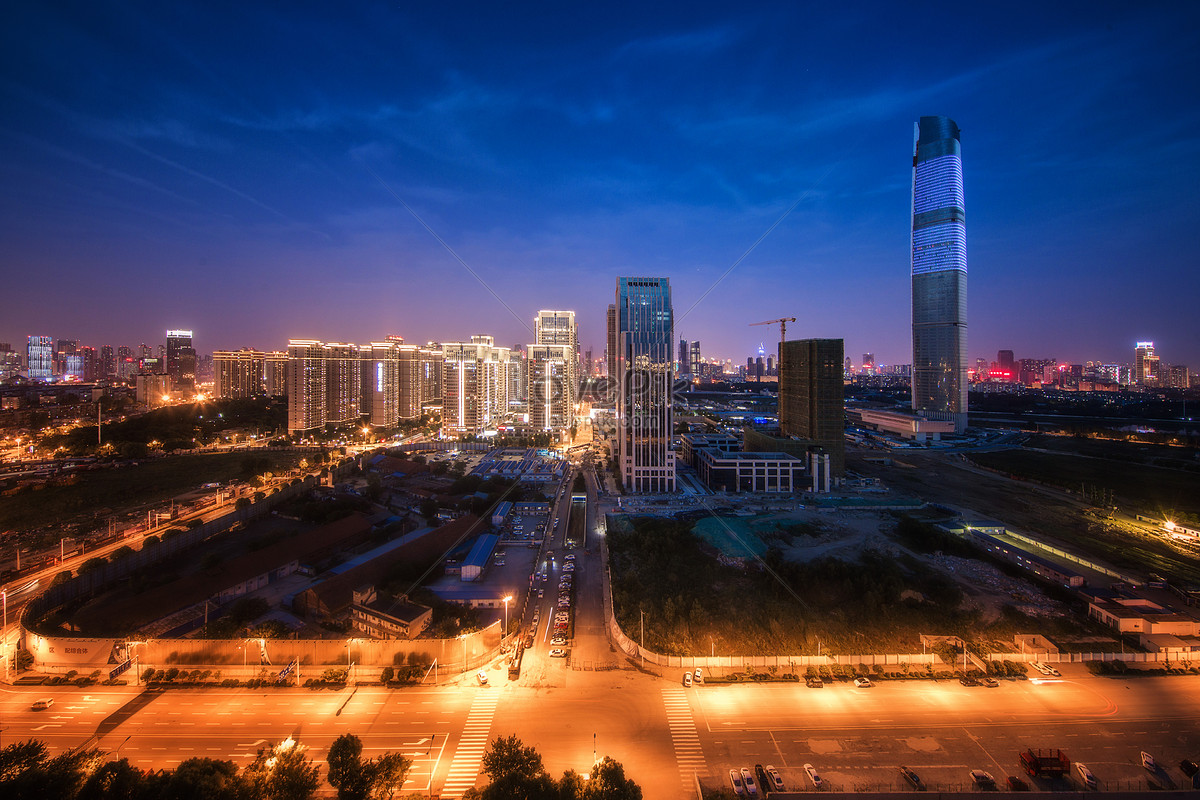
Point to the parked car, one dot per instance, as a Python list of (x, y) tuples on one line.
[(481, 676), (687, 679), (1085, 776), (1016, 784), (982, 779), (558, 652), (990, 683), (748, 780), (558, 641), (813, 776), (913, 778), (764, 780), (735, 779), (1148, 762), (698, 677), (1189, 767), (863, 683), (776, 782), (967, 680), (814, 682)]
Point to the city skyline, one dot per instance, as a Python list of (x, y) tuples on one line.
[(228, 191)]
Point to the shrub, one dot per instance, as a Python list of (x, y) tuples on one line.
[(386, 675)]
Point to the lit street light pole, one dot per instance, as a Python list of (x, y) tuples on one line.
[(506, 601)]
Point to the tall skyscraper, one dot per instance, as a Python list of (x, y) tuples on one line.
[(685, 357), (811, 396), (695, 359), (939, 274), (1145, 364), (645, 339), (39, 358), (1007, 364), (181, 361), (868, 364), (108, 361)]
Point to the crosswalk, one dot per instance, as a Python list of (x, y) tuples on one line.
[(464, 769), (688, 753)]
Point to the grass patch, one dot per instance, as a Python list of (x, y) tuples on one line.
[(694, 605)]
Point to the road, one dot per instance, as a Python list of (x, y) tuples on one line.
[(660, 731)]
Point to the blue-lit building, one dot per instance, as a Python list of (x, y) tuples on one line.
[(939, 274), (645, 329), (39, 358)]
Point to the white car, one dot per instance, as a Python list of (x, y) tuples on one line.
[(748, 780), (687, 679), (1148, 762), (863, 683), (481, 676), (776, 780), (1085, 775), (813, 776), (558, 652), (735, 778)]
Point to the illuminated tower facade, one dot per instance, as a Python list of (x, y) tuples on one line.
[(645, 370), (939, 274)]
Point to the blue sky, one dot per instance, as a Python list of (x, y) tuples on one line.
[(267, 171)]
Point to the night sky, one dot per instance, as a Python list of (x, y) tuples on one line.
[(261, 172)]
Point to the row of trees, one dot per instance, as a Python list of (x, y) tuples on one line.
[(516, 771), (286, 772)]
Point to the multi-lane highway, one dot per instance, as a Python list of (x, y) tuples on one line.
[(659, 730)]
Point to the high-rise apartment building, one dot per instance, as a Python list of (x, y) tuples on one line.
[(306, 385), (343, 375), (645, 334), (552, 380), (868, 364), (181, 361), (324, 384), (433, 363), (238, 374), (381, 366), (474, 385), (275, 373), (811, 396), (610, 353), (695, 358), (10, 362), (548, 385), (939, 274), (39, 358)]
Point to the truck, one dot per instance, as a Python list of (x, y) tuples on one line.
[(1045, 763)]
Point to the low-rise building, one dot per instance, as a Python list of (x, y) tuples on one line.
[(906, 426), (381, 618)]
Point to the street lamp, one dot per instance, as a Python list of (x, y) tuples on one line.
[(506, 601)]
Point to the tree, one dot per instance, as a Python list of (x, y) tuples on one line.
[(346, 769), (204, 779), (282, 773), (115, 780), (388, 774), (608, 782), (516, 771)]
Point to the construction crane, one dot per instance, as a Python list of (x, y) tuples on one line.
[(783, 321)]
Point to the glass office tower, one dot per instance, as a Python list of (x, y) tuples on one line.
[(939, 274), (645, 368)]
